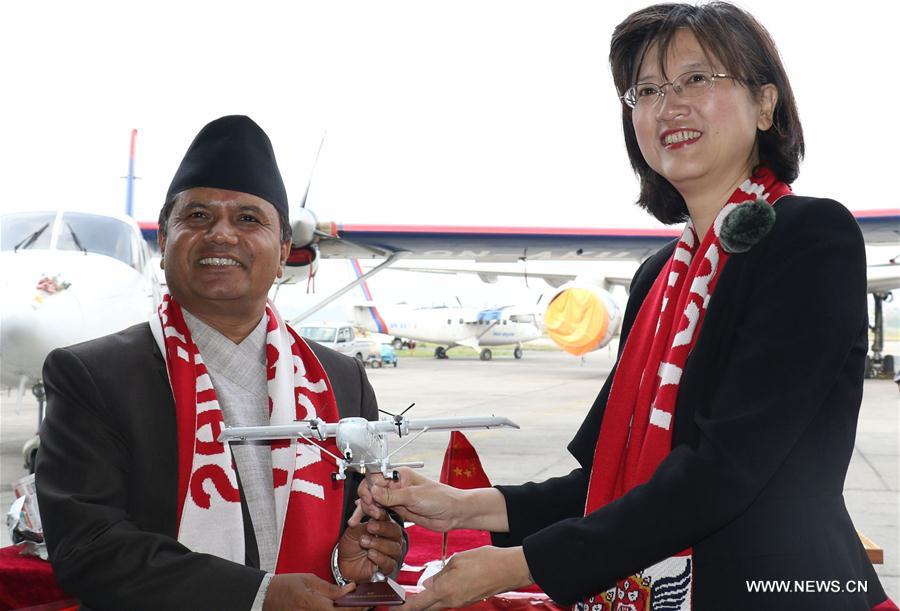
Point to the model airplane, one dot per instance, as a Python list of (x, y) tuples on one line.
[(363, 444)]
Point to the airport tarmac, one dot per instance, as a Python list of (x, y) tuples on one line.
[(548, 393)]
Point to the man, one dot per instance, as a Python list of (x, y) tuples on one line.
[(142, 507)]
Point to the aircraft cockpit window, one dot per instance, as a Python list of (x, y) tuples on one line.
[(26, 230), (96, 234)]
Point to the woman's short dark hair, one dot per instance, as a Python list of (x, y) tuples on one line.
[(166, 212), (745, 49)]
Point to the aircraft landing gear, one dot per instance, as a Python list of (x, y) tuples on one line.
[(29, 450), (38, 391), (879, 365), (440, 352), (518, 352), (486, 355)]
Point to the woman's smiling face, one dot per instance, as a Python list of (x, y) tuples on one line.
[(699, 142)]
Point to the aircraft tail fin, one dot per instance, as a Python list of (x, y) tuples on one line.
[(371, 318), (129, 189)]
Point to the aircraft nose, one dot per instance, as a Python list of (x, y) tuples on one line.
[(30, 329)]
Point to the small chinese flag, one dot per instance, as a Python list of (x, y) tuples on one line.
[(461, 468)]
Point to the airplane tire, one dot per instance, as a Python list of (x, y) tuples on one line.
[(869, 370), (440, 353), (518, 353), (395, 362), (397, 343), (888, 364), (486, 355)]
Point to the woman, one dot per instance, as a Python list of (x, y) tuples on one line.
[(712, 458)]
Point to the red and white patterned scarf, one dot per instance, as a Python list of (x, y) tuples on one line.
[(636, 434), (308, 503)]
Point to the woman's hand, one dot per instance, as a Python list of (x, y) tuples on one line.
[(472, 576), (435, 506), (414, 497)]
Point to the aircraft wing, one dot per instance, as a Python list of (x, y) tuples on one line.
[(879, 226), (513, 243), (490, 275), (535, 243), (492, 243)]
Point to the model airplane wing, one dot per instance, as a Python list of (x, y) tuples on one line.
[(307, 429), (318, 429)]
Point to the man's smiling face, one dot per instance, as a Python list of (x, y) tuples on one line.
[(222, 251)]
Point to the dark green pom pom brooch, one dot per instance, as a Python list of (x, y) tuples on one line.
[(746, 225)]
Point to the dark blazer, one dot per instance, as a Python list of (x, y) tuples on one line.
[(107, 478), (764, 428)]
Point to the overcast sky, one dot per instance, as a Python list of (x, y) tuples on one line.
[(463, 112), (437, 112)]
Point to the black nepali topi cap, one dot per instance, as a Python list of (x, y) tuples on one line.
[(232, 153)]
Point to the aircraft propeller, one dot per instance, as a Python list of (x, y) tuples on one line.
[(398, 418)]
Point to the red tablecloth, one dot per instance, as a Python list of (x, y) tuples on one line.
[(27, 581)]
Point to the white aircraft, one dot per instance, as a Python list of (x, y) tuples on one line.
[(454, 326), (68, 277), (450, 326), (363, 444), (583, 314), (580, 314)]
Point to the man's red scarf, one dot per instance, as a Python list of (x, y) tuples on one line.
[(308, 503), (636, 434)]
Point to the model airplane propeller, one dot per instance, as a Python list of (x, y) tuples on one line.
[(363, 443)]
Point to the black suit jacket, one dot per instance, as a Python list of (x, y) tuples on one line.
[(764, 429), (107, 478)]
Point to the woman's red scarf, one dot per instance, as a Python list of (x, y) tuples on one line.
[(636, 434), (308, 503)]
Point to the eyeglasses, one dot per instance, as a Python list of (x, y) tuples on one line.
[(687, 85)]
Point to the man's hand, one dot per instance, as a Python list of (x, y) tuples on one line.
[(302, 591), (369, 546), (472, 576), (414, 497)]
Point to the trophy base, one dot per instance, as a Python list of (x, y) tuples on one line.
[(386, 593)]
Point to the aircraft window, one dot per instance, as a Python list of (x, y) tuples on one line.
[(318, 334), (97, 234), (504, 321), (460, 321), (30, 230), (449, 322)]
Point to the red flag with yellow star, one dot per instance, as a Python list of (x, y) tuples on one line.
[(461, 468)]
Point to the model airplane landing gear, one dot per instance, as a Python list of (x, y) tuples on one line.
[(440, 352), (486, 354), (518, 352)]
